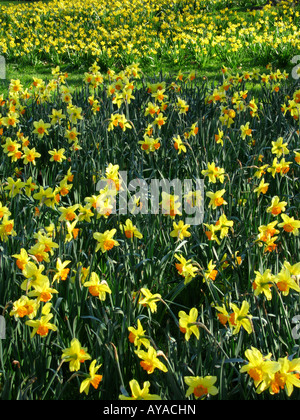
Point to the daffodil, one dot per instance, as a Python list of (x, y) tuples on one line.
[(261, 171), (61, 270), (262, 187), (42, 325), (105, 240), (57, 116), (97, 287), (139, 394), (33, 275), (47, 241), (11, 120), (223, 315), (30, 187), (150, 360), (262, 283), (245, 131), (45, 196), (211, 272), (287, 376), (214, 173), (179, 145), (285, 281), (22, 258), (211, 232), (216, 199), (241, 317), (200, 387), (149, 144), (290, 225), (72, 135), (74, 113), (57, 155), (42, 291), (160, 120), (68, 213), (276, 206), (223, 225), (41, 128), (130, 230), (279, 148), (10, 145), (72, 231), (180, 230), (137, 336), (75, 354), (149, 299), (219, 137), (7, 229), (91, 379), (260, 368), (14, 187), (24, 306), (152, 109), (293, 269), (182, 106), (185, 268), (266, 232), (39, 253), (30, 155), (188, 323)]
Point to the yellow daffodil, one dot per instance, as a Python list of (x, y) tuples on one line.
[(68, 213), (214, 173), (97, 287), (262, 284), (179, 145), (149, 299), (41, 128), (61, 270), (180, 230), (22, 258), (223, 225), (29, 155), (185, 268), (57, 155), (241, 317), (188, 323), (210, 273), (260, 368), (150, 361), (105, 240), (130, 230), (91, 379), (262, 188), (139, 394), (287, 376), (276, 206), (216, 199), (245, 131), (285, 281), (24, 307), (200, 387), (279, 148), (290, 225), (137, 336), (42, 326)]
